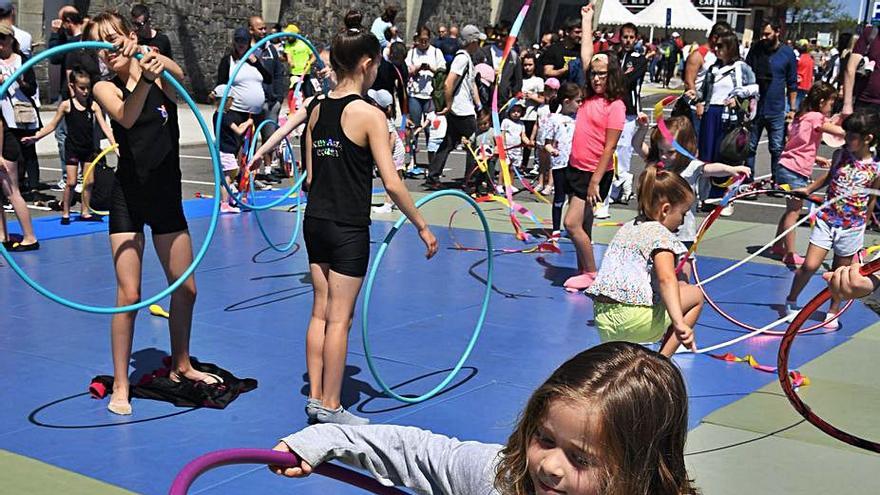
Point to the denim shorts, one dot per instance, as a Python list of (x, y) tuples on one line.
[(794, 180), (844, 242)]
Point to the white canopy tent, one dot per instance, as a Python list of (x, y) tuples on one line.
[(615, 14), (684, 16)]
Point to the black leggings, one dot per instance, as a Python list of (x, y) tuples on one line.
[(560, 194)]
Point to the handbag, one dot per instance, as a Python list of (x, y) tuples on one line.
[(24, 112), (734, 148)]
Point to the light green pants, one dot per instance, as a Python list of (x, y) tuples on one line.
[(631, 323)]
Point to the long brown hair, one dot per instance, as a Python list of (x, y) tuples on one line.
[(658, 186), (820, 92), (682, 130), (641, 399), (614, 88)]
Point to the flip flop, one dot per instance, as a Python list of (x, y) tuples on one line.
[(217, 380)]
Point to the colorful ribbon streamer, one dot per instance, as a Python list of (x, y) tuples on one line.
[(496, 120)]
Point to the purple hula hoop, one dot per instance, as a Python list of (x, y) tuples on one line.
[(211, 460)]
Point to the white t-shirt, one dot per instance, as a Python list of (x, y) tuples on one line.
[(14, 93), (398, 154), (422, 86), (534, 85), (437, 130), (692, 175), (25, 40), (543, 113), (559, 128), (463, 100), (247, 89)]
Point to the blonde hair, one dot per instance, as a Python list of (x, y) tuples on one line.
[(658, 186), (104, 24), (641, 400)]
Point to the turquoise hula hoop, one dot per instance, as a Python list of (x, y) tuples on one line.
[(220, 110), (297, 187), (215, 158), (483, 310)]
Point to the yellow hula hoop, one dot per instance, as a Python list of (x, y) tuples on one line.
[(91, 168)]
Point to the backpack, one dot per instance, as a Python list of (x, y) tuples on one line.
[(576, 72), (439, 92)]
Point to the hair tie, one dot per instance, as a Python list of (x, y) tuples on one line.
[(354, 30), (660, 166)]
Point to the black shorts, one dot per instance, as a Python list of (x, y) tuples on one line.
[(158, 202), (11, 146), (577, 182), (346, 248), (74, 158)]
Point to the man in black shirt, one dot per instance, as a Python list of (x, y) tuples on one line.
[(147, 35), (556, 59)]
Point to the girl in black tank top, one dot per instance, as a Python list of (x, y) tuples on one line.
[(147, 192), (79, 112), (345, 138)]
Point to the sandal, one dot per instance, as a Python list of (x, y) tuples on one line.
[(177, 378)]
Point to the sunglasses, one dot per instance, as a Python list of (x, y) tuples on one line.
[(599, 74)]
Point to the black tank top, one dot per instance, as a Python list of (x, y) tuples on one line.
[(342, 171), (80, 140), (154, 137)]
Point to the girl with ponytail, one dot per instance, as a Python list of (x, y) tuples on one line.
[(344, 140), (637, 294)]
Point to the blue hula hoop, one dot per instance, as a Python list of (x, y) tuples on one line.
[(220, 110), (215, 158), (483, 310), (297, 188)]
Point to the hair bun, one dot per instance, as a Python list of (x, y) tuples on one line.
[(353, 19)]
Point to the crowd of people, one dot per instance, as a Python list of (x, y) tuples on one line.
[(572, 120)]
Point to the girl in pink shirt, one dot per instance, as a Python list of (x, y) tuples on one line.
[(598, 125), (795, 167)]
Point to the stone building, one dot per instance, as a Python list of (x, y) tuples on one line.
[(201, 30)]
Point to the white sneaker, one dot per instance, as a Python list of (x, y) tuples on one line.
[(262, 186), (385, 208), (602, 212), (548, 190), (227, 208), (831, 322), (727, 211)]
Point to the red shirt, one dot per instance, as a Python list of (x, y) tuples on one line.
[(595, 116), (805, 72)]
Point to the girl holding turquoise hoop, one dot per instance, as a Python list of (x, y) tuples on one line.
[(345, 138), (147, 191)]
